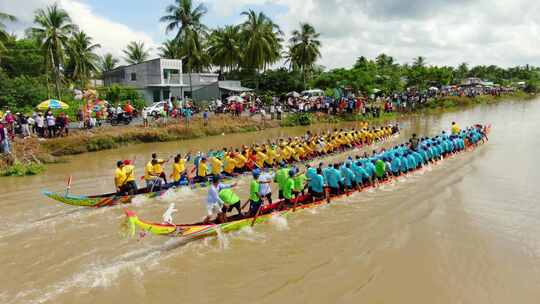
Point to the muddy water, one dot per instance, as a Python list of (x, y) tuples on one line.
[(465, 231)]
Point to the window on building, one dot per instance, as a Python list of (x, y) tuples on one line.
[(133, 76)]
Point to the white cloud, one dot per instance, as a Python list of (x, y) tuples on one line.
[(500, 32), (113, 36)]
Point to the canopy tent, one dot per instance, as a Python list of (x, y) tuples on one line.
[(235, 98), (52, 104), (234, 88), (294, 94)]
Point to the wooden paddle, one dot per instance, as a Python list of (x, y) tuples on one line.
[(256, 215), (68, 187)]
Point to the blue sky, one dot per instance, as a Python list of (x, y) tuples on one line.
[(143, 15), (500, 32)]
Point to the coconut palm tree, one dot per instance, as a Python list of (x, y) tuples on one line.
[(305, 49), (53, 30), (261, 39), (171, 49), (186, 20), (107, 63), (224, 47), (3, 34), (419, 61), (135, 52), (82, 55)]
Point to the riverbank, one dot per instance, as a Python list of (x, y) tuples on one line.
[(30, 156)]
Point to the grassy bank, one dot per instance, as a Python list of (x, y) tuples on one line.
[(30, 155)]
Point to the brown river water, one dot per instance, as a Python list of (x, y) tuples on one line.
[(464, 231)]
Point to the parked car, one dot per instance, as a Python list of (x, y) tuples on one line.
[(155, 109)]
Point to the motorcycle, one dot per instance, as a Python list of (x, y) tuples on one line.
[(121, 118)]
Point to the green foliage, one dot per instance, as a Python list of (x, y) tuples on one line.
[(300, 119), (22, 92), (23, 57), (119, 94), (19, 169)]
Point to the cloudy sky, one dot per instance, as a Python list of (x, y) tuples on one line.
[(500, 32)]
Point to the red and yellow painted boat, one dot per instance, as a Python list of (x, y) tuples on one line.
[(200, 230)]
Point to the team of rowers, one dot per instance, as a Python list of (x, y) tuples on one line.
[(229, 162), (334, 179)]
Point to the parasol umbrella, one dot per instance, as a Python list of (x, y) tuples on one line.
[(235, 98), (433, 89), (52, 104)]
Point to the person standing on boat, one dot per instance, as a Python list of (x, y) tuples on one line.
[(214, 203), (265, 181), (455, 129)]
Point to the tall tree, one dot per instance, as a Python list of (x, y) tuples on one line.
[(171, 49), (3, 34), (261, 39), (224, 47), (135, 52), (305, 49), (53, 30), (107, 63), (183, 18), (82, 55), (419, 61)]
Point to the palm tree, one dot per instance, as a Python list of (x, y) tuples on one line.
[(3, 34), (262, 41), (84, 60), (107, 63), (182, 17), (136, 53), (171, 49), (224, 47), (305, 49), (419, 61), (54, 28)]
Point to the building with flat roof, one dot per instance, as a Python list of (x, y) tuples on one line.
[(158, 79)]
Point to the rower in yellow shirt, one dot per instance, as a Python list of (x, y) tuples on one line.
[(120, 178), (217, 165), (240, 161), (260, 158), (202, 169), (157, 169), (272, 156), (179, 168), (455, 128), (129, 171), (229, 164)]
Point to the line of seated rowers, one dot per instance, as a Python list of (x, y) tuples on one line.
[(232, 162), (326, 181)]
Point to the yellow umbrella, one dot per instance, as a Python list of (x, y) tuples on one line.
[(52, 104)]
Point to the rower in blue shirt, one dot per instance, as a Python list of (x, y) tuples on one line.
[(396, 164)]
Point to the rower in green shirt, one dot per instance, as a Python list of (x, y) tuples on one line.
[(281, 177), (288, 189), (254, 197), (230, 201), (299, 182)]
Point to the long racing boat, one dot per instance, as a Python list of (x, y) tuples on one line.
[(110, 199), (201, 230)]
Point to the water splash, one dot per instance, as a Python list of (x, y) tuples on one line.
[(279, 222), (222, 238)]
